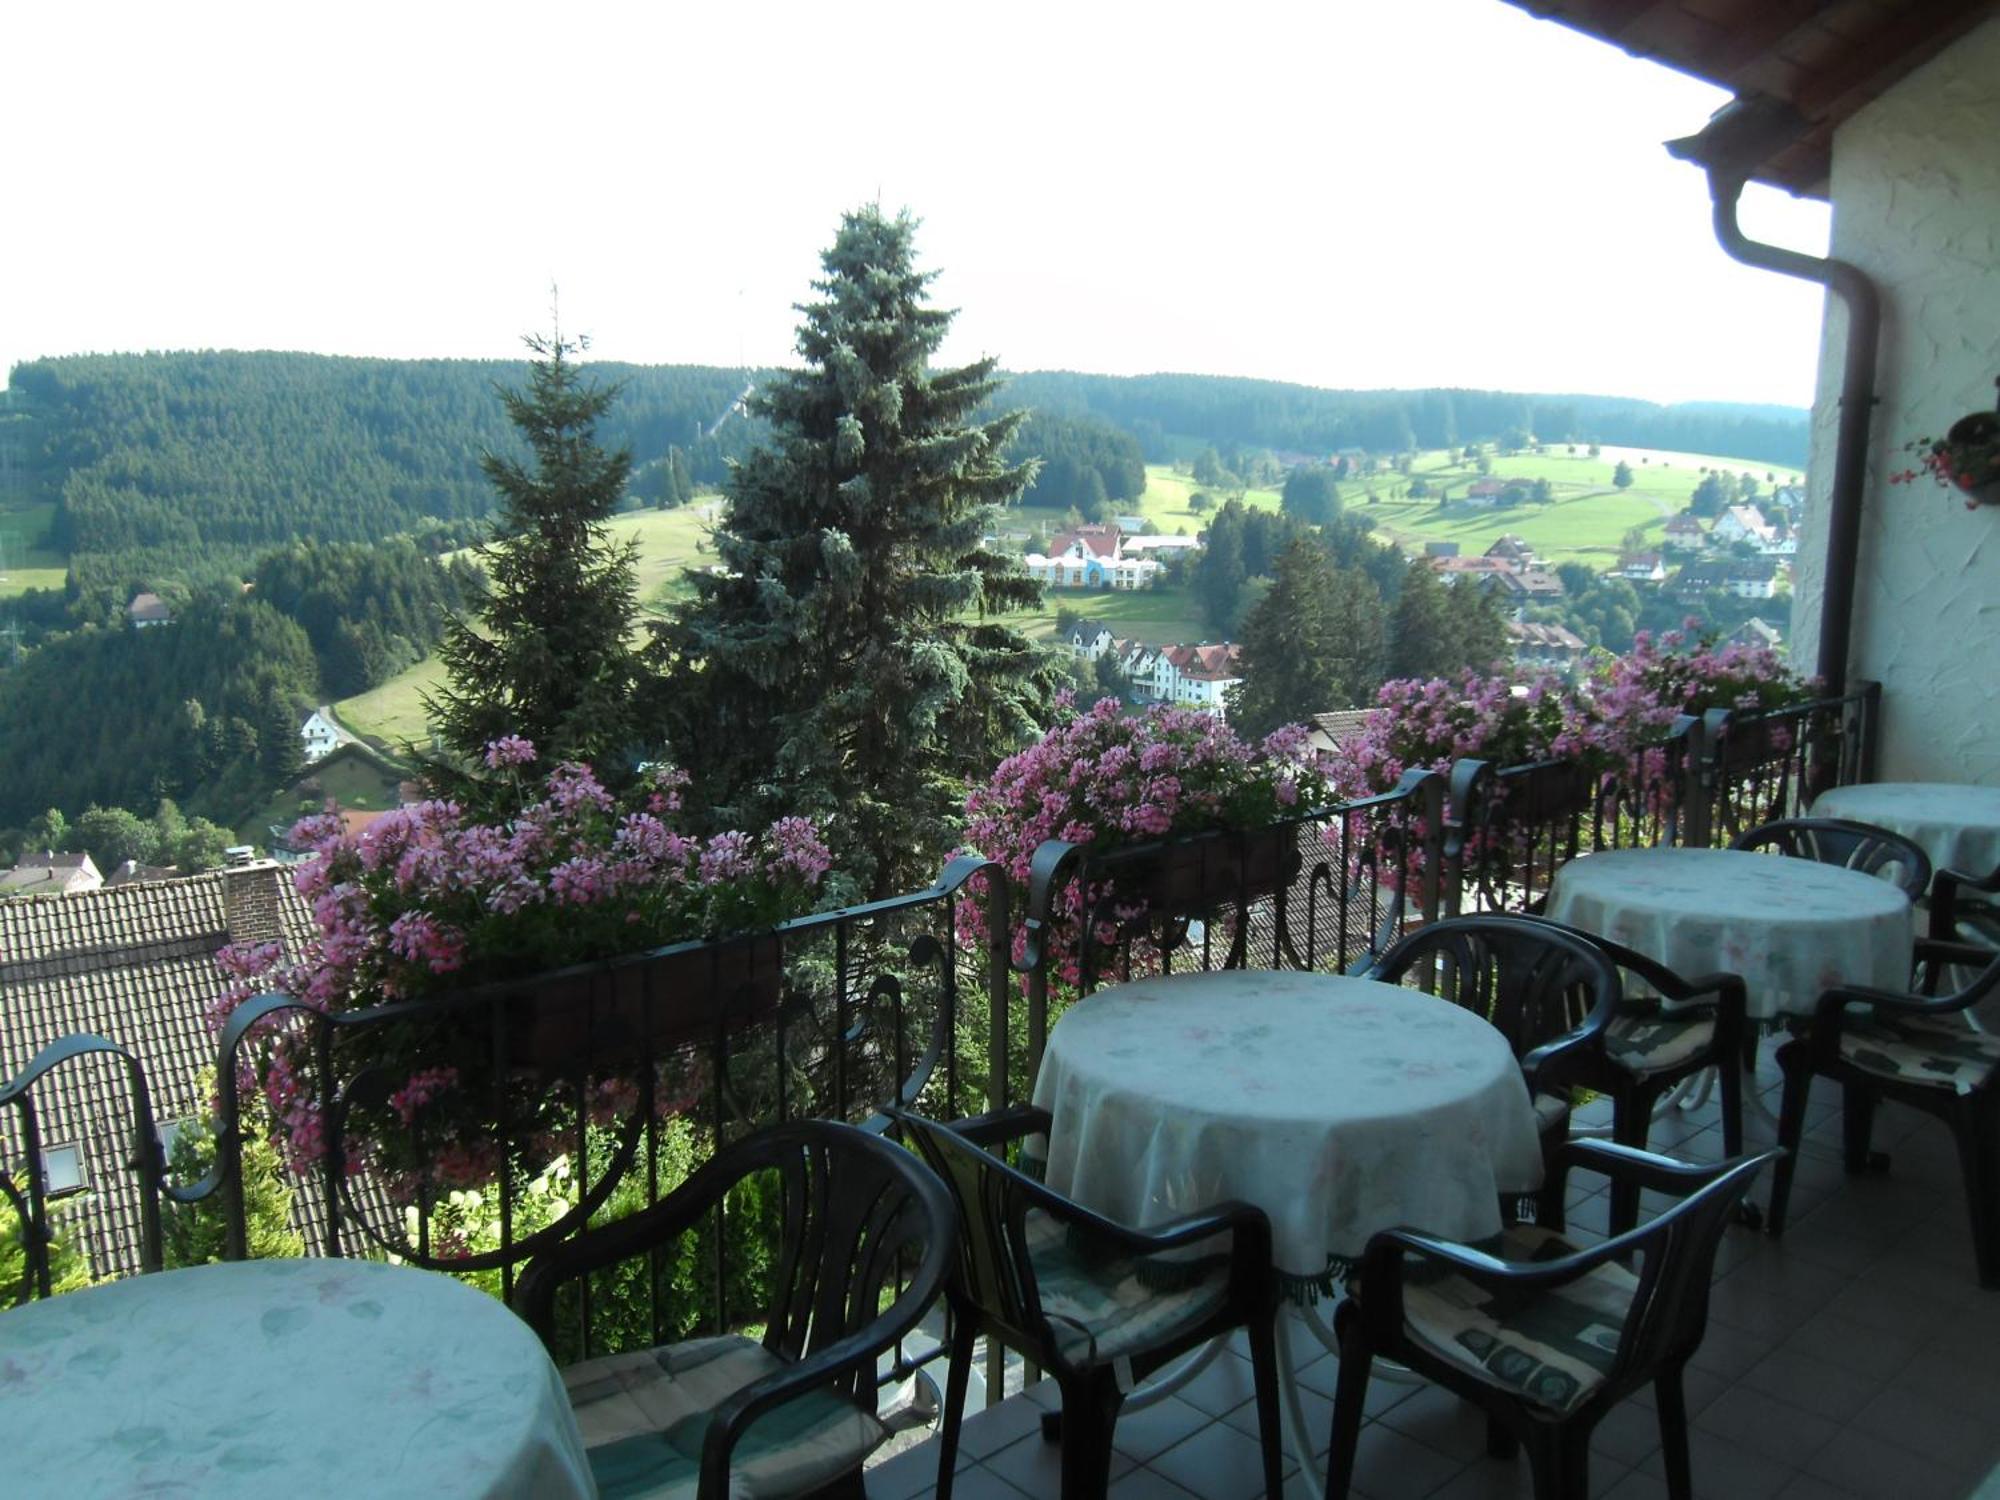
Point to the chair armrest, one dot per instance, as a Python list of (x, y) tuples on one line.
[(1003, 1125), (1945, 886), (1587, 1039), (1630, 1164), (856, 1351), (608, 1244)]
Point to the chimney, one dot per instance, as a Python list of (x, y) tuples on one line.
[(250, 900)]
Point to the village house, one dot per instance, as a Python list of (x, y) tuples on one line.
[(1527, 585), (51, 874), (1510, 548), (1686, 531), (1091, 557), (1758, 633), (1545, 648), (1161, 546), (1197, 677), (1485, 493), (1641, 567), (321, 738), (148, 609), (1092, 641), (1480, 569), (1746, 578), (1742, 523)]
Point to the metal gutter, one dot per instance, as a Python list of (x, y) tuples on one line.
[(1743, 134)]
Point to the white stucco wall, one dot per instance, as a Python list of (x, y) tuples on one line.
[(1916, 205)]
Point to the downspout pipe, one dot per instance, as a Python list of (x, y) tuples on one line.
[(1743, 135)]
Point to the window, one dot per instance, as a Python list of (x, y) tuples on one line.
[(62, 1171)]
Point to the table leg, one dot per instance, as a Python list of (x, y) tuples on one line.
[(1298, 1437)]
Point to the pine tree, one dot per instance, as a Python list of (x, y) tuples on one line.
[(548, 653), (1313, 643), (1419, 633), (844, 662)]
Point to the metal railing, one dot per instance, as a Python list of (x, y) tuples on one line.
[(626, 1074)]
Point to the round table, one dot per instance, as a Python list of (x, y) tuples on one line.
[(1338, 1106), (289, 1378), (1790, 927), (1957, 826)]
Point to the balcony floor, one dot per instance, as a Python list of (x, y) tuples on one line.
[(1856, 1357)]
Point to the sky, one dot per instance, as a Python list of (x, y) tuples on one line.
[(1347, 193)]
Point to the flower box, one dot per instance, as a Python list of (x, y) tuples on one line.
[(1186, 877), (644, 1006)]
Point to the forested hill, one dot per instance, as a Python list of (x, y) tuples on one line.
[(185, 467), (1307, 420), (187, 463)]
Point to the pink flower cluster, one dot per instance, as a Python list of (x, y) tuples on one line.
[(1109, 776), (428, 897)]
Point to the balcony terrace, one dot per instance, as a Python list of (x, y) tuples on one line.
[(1851, 1358)]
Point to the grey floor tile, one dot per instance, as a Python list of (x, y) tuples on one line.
[(1874, 1470), (1143, 1484), (1761, 1424), (1217, 1463), (989, 1431), (1813, 1384), (1225, 1385), (1724, 1471), (1442, 1421), (1873, 1353), (1390, 1466), (1955, 1439), (1141, 1434), (1034, 1465)]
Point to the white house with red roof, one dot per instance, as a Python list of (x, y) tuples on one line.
[(1197, 677), (1091, 557)]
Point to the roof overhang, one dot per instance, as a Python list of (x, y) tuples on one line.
[(1804, 65)]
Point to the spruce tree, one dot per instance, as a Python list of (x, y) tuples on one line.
[(1420, 633), (547, 653), (845, 662), (1312, 644)]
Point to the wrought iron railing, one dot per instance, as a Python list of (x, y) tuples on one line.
[(629, 1072)]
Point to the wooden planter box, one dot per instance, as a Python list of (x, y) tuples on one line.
[(646, 1005), (1197, 874)]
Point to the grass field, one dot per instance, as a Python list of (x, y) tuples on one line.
[(392, 715), (23, 565), (349, 780)]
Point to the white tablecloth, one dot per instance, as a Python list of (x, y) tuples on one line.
[(282, 1379), (1338, 1106), (1790, 927), (1957, 826)]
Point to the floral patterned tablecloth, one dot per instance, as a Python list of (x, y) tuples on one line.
[(1338, 1106), (1957, 826), (1790, 927), (282, 1378)]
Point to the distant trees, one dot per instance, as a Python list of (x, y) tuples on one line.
[(1241, 543), (1312, 643), (1438, 629), (1085, 463), (847, 663), (546, 652), (1622, 475), (1312, 494), (369, 611)]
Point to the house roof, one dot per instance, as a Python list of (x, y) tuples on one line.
[(1749, 518), (1206, 663), (1721, 570), (1099, 541), (50, 873), (134, 964), (1486, 565), (1510, 546), (1487, 487), (1533, 633), (1685, 525), (1537, 581), (148, 608), (1821, 60), (1338, 727), (1639, 560)]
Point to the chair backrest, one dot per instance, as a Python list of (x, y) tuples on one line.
[(1853, 846), (1669, 1312), (993, 1199), (1533, 980), (855, 1212)]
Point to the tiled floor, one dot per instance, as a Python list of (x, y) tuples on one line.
[(1855, 1357)]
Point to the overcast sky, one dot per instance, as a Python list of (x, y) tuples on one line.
[(1339, 192)]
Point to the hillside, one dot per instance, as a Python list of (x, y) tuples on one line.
[(135, 471)]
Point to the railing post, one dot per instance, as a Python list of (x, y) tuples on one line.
[(1470, 780), (1707, 781), (1052, 865), (1868, 716), (1688, 811)]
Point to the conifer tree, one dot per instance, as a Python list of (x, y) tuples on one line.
[(845, 661), (1419, 632), (1312, 644), (547, 653)]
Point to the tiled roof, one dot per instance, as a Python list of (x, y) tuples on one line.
[(134, 964), (1532, 633), (1100, 541)]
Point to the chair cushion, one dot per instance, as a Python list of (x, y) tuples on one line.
[(644, 1416), (1553, 1347), (1946, 1052), (1551, 1113), (1102, 1304), (1655, 1041)]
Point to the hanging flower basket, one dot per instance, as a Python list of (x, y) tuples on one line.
[(1195, 875), (1966, 458), (646, 1006)]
